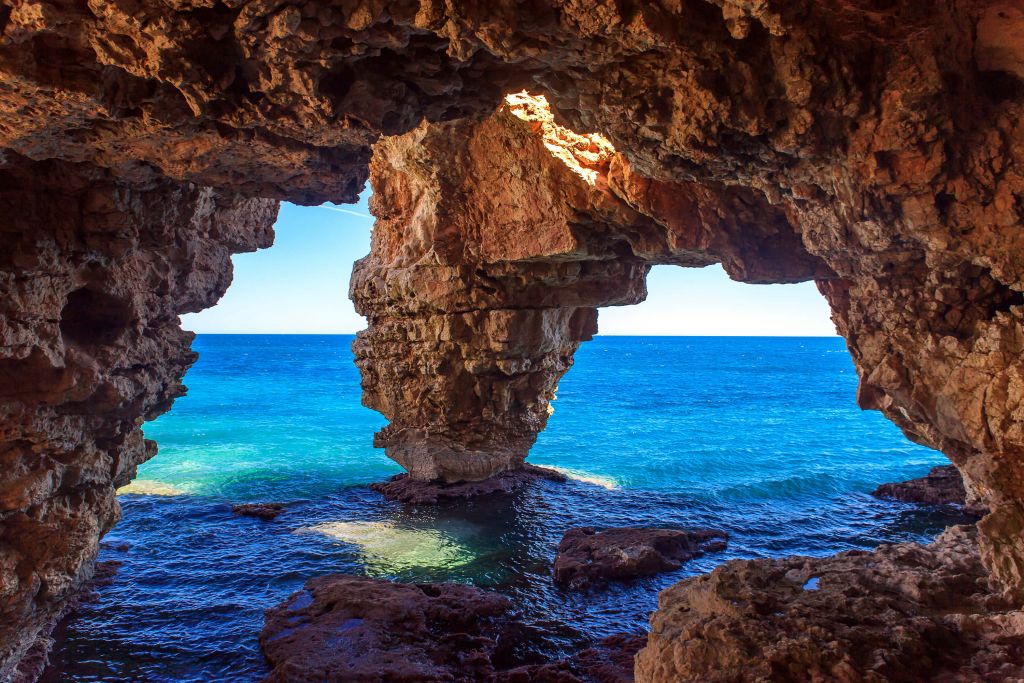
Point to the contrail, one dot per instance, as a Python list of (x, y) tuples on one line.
[(348, 211)]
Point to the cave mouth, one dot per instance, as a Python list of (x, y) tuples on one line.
[(93, 318)]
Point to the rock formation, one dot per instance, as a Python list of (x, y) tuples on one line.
[(901, 613), (943, 485), (94, 274), (587, 557), (404, 488), (353, 629), (264, 511), (875, 147)]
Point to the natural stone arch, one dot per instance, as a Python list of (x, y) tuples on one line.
[(887, 135), (495, 243)]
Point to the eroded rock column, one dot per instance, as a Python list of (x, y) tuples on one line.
[(494, 243), (93, 275)]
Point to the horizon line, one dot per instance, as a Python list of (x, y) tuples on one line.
[(352, 334)]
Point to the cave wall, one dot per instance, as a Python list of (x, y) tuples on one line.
[(886, 136), (93, 275)]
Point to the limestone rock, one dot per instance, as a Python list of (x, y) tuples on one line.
[(901, 613), (351, 629), (405, 489), (943, 485), (587, 557), (94, 273), (264, 511)]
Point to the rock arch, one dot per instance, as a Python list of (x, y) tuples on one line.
[(875, 147)]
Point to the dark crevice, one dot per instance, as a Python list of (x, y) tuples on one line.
[(93, 318)]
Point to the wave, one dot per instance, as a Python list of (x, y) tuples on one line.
[(601, 480)]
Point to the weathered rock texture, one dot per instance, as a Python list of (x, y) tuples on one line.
[(588, 557), (404, 488), (943, 485), (495, 241), (94, 273), (901, 613), (873, 146)]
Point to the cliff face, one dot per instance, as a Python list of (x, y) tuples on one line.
[(94, 274), (875, 147)]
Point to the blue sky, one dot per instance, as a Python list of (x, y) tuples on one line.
[(300, 285)]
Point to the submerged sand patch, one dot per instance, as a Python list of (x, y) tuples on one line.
[(387, 548), (150, 487)]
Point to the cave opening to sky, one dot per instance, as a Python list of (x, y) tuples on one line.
[(300, 286)]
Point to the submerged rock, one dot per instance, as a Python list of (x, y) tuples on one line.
[(264, 511), (404, 488), (357, 629), (904, 612), (609, 661), (587, 557), (943, 485), (352, 629)]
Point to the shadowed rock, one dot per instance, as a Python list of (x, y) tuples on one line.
[(264, 511), (353, 629), (943, 485), (587, 557), (405, 489), (609, 661)]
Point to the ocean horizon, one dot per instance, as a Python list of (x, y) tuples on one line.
[(758, 436)]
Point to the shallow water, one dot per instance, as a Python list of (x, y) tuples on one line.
[(757, 436)]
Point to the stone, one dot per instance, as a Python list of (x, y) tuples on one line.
[(943, 485), (264, 511), (875, 148), (903, 612), (405, 489), (350, 629), (588, 557), (94, 273)]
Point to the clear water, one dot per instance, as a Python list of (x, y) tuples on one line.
[(757, 436)]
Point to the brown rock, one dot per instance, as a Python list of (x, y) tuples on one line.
[(587, 557), (264, 511), (874, 147), (350, 629), (943, 485), (404, 488), (901, 613)]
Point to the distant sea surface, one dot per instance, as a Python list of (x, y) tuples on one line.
[(760, 437)]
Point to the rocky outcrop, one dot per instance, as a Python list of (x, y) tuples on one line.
[(94, 273), (901, 613), (405, 489), (354, 629), (943, 485), (264, 511), (588, 557), (875, 147)]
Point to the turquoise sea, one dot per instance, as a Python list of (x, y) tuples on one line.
[(758, 436)]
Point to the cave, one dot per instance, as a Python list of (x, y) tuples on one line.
[(530, 164)]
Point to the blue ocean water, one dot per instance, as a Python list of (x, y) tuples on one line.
[(757, 436)]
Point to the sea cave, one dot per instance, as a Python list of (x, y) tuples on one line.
[(530, 163)]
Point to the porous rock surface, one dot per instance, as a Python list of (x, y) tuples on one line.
[(353, 629), (875, 147), (903, 612), (264, 511), (943, 485), (588, 557), (94, 273)]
